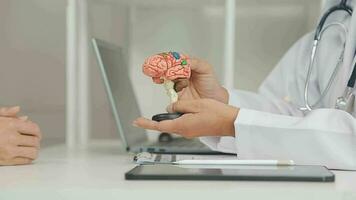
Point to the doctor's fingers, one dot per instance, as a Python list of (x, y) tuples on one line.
[(186, 106), (9, 111), (170, 126)]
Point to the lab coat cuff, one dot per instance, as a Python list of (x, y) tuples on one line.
[(233, 98), (226, 144), (222, 144), (245, 117), (242, 132)]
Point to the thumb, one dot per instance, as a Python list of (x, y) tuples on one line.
[(9, 112), (185, 106)]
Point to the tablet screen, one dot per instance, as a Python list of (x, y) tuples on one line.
[(258, 173)]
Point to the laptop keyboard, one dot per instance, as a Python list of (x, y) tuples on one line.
[(180, 142)]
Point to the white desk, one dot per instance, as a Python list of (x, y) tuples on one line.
[(98, 172)]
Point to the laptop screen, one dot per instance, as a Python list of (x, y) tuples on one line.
[(120, 92)]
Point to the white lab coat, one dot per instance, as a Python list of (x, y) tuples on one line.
[(270, 124)]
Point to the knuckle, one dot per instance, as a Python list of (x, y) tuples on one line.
[(37, 142), (35, 127), (40, 136)]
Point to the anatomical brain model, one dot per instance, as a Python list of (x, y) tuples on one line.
[(165, 67)]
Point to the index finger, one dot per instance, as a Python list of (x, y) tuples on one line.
[(168, 126)]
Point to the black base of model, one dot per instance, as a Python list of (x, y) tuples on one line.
[(165, 137), (166, 116)]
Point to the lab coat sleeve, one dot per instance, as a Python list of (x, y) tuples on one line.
[(323, 137), (266, 131)]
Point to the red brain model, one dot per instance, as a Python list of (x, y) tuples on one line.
[(167, 66)]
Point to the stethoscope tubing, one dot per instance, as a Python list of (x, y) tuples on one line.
[(352, 80), (323, 19), (317, 38)]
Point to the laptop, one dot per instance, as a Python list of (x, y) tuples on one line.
[(125, 109)]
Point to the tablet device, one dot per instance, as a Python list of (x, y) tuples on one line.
[(235, 173)]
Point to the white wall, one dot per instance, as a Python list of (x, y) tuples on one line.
[(32, 48), (32, 60), (265, 31), (108, 20)]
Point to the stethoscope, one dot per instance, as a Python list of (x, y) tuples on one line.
[(346, 101)]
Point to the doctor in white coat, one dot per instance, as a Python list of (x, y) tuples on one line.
[(284, 119)]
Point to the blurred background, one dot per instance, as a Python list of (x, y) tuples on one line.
[(33, 38)]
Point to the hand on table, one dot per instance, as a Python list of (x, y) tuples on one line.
[(19, 138), (9, 111), (203, 117)]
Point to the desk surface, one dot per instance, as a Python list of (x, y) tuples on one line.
[(98, 171)]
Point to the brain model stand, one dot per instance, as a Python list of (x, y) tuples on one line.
[(163, 68)]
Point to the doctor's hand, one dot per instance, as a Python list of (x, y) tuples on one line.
[(19, 141), (202, 83), (203, 117)]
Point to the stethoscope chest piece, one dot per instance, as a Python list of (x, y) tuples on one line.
[(347, 101)]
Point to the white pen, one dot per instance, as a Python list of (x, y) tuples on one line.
[(236, 162)]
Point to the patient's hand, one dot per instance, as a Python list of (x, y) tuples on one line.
[(9, 111), (19, 138)]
